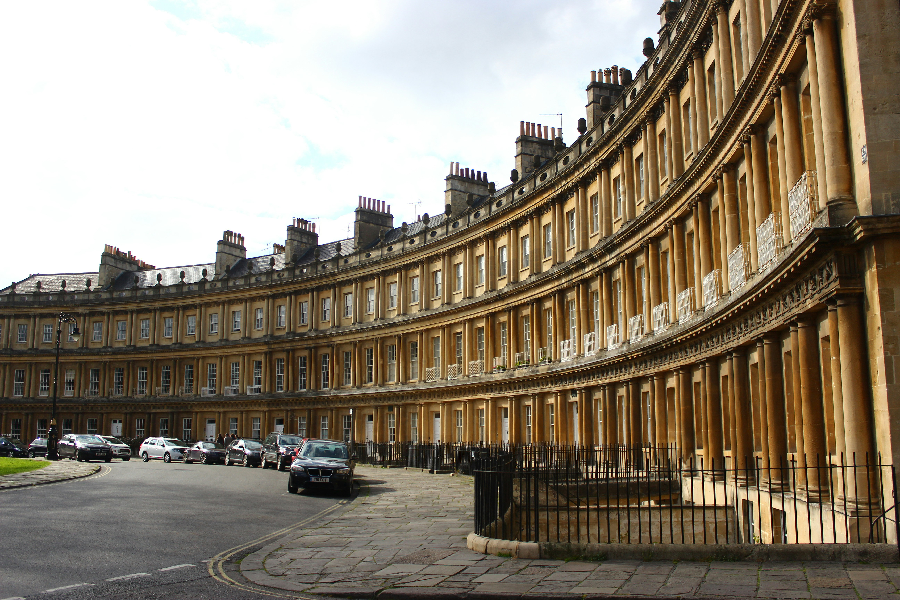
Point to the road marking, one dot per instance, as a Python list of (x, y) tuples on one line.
[(14, 598), (66, 587), (177, 567), (132, 576)]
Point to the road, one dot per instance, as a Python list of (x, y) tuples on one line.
[(151, 528)]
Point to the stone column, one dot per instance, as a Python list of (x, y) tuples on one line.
[(794, 369), (775, 417), (651, 158), (816, 106), (660, 409), (700, 99), (754, 29), (607, 304), (760, 177), (725, 64), (675, 133), (628, 171), (705, 237), (605, 203), (732, 210), (715, 426), (751, 202), (653, 273), (857, 396), (841, 205), (671, 292), (695, 242), (812, 409), (743, 422), (790, 114), (837, 396), (628, 288), (678, 254), (782, 173), (686, 411)]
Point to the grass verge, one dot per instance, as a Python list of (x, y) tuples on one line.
[(10, 466)]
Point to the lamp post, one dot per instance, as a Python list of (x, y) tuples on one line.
[(52, 433)]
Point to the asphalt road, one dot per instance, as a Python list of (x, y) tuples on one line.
[(152, 528)]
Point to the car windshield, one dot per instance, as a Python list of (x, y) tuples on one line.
[(290, 440), (213, 446), (90, 439), (175, 443), (39, 442), (315, 450), (252, 445)]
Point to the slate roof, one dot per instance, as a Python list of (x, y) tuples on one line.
[(75, 282)]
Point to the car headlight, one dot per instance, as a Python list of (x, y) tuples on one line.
[(343, 471)]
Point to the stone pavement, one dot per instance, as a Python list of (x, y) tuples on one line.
[(404, 536), (56, 471)]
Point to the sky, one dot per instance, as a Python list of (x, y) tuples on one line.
[(155, 126)]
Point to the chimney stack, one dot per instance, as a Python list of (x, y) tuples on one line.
[(229, 250), (373, 218)]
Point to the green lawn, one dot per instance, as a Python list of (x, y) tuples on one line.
[(8, 466)]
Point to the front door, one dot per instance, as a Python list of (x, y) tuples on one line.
[(370, 427), (210, 430), (436, 432), (115, 427), (279, 425), (504, 425)]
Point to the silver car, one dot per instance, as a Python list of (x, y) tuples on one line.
[(168, 449), (119, 449)]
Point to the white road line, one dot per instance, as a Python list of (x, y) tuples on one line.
[(66, 587), (13, 598), (132, 576), (177, 567)]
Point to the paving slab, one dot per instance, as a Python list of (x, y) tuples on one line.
[(404, 537)]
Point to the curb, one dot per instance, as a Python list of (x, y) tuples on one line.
[(29, 480), (873, 553)]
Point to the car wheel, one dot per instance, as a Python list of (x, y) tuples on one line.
[(227, 461), (78, 456), (187, 461), (107, 459), (127, 458), (247, 461), (145, 457), (262, 462), (280, 464), (205, 459), (291, 487), (167, 458)]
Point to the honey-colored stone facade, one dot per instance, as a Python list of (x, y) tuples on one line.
[(713, 262)]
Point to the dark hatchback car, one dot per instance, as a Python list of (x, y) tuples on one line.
[(279, 449), (13, 448), (37, 448), (244, 452), (84, 448), (205, 452), (323, 464)]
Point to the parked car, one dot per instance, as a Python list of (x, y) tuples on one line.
[(166, 448), (278, 450), (245, 452), (323, 464), (205, 452), (13, 448), (38, 447), (118, 447), (83, 447)]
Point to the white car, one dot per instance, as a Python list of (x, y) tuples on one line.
[(119, 450), (168, 449)]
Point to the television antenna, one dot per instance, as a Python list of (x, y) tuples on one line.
[(416, 206), (554, 115)]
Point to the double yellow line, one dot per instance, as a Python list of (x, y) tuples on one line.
[(216, 566)]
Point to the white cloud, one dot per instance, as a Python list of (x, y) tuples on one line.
[(154, 127)]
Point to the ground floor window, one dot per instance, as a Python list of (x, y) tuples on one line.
[(92, 426), (187, 432), (44, 382), (15, 428), (481, 425), (232, 426), (348, 426), (42, 428), (139, 428), (66, 426), (459, 426), (323, 432), (392, 427), (164, 427), (414, 427), (301, 427), (188, 379), (527, 424), (254, 429)]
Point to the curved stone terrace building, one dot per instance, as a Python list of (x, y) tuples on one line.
[(712, 262)]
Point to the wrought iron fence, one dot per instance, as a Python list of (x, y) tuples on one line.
[(649, 495)]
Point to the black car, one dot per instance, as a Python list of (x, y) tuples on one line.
[(83, 447), (13, 448), (279, 449), (205, 452), (245, 452), (37, 448), (323, 464)]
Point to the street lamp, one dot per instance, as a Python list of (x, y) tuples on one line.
[(52, 433)]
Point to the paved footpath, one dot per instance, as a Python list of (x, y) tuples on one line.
[(404, 536), (62, 470)]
